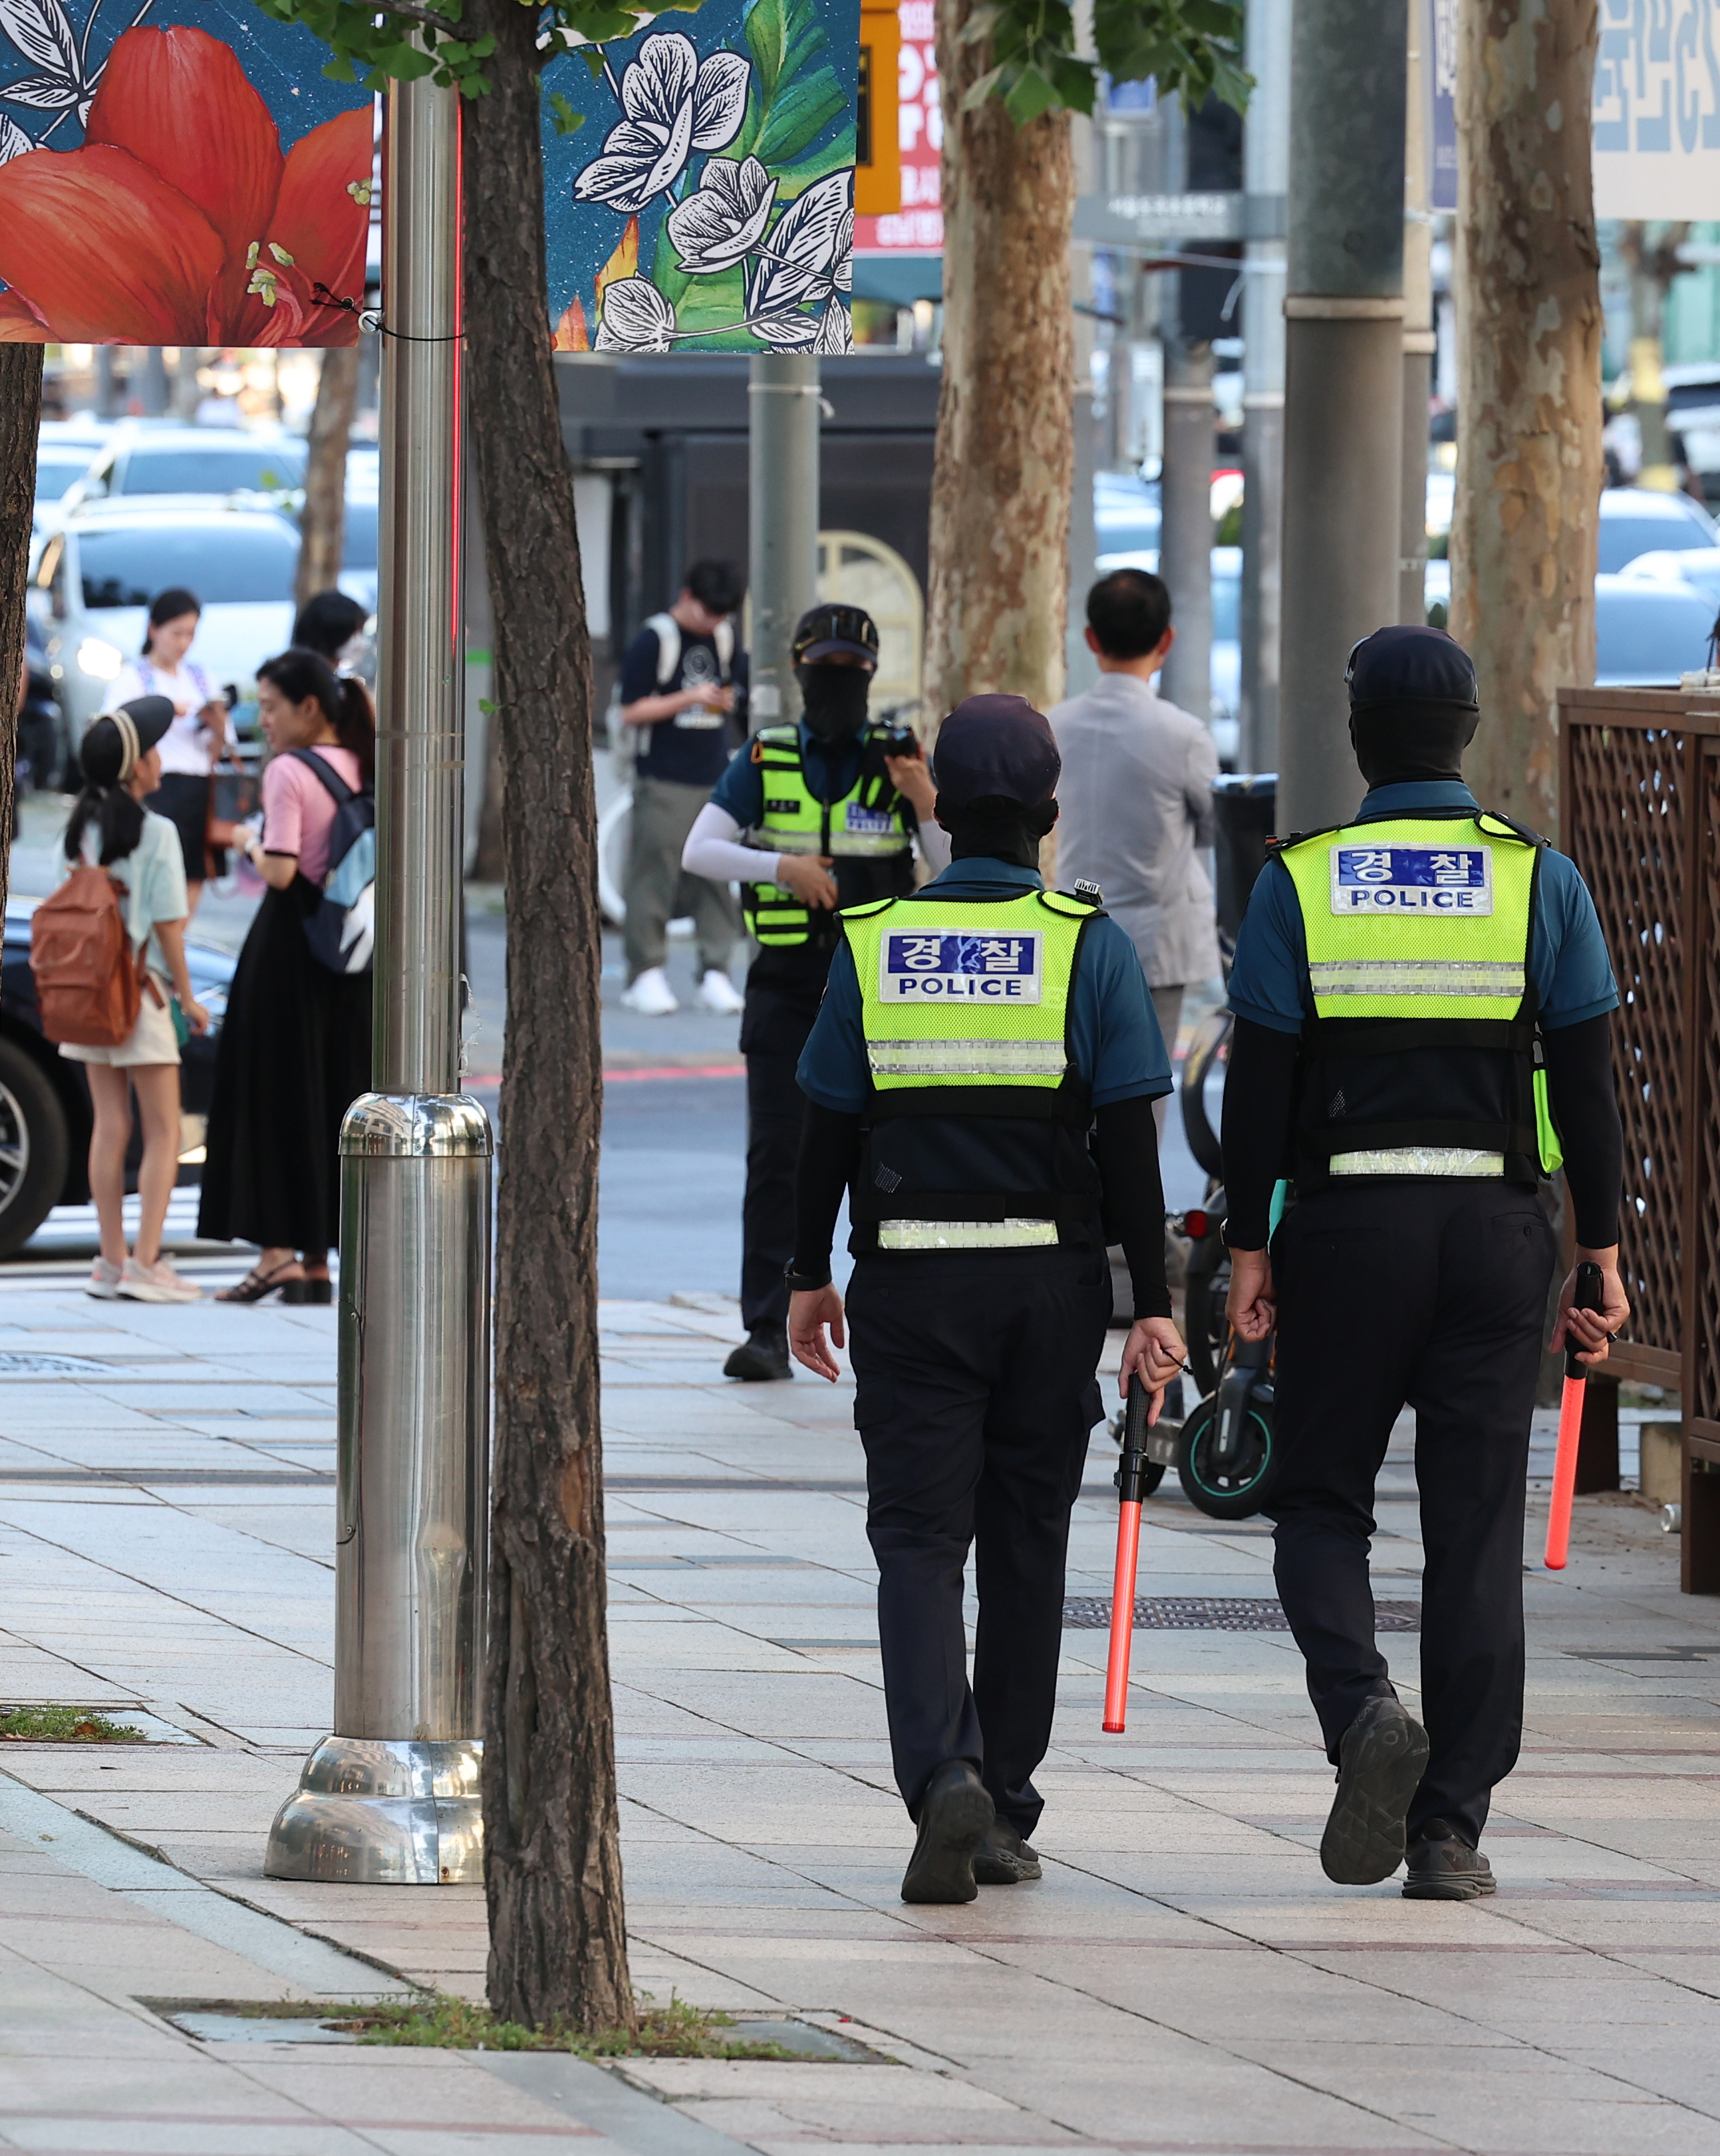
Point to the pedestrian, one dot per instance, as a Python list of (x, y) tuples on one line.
[(1422, 1002), (294, 1048), (981, 1078), (832, 809), (682, 681), (111, 828), (1135, 800), (332, 624), (201, 732)]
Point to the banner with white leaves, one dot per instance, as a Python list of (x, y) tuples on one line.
[(702, 198)]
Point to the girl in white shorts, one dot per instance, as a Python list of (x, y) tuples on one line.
[(111, 828)]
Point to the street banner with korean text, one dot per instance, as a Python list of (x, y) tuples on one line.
[(917, 227), (178, 172), (706, 201), (1656, 114)]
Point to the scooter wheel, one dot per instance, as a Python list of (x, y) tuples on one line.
[(1240, 1488)]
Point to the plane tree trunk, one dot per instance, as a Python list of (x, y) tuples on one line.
[(1528, 387)]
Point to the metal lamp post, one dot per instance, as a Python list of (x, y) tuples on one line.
[(392, 1797)]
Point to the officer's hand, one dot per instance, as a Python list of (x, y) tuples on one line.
[(1155, 1348), (1588, 1333), (912, 777), (1252, 1304), (810, 1310), (808, 875)]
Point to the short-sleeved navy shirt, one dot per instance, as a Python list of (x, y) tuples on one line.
[(1119, 1050), (1567, 960), (686, 749)]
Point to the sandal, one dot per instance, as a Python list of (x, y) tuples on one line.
[(256, 1285), (315, 1287)]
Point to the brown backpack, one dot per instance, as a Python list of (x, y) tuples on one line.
[(89, 984)]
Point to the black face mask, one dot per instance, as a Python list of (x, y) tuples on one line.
[(1399, 742), (833, 700)]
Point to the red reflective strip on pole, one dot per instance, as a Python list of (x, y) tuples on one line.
[(1122, 1616), (1564, 1474)]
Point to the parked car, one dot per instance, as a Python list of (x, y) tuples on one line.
[(193, 461), (45, 1100), (1635, 521), (1647, 634), (1700, 568), (58, 467), (96, 575)]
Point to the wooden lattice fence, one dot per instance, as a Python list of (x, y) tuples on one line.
[(1639, 796)]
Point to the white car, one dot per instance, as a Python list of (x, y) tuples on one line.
[(1646, 634), (97, 575), (155, 459)]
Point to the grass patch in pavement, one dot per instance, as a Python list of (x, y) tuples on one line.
[(677, 2030), (64, 1725)]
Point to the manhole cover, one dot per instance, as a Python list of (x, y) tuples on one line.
[(20, 1363), (1211, 1613)]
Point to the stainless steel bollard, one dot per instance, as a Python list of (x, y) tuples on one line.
[(392, 1797), (392, 1800)]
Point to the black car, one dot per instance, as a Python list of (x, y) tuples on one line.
[(44, 1101)]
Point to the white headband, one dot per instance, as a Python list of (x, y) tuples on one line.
[(130, 748)]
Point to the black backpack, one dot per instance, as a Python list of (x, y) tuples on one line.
[(342, 929)]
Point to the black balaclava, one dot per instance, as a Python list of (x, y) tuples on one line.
[(1414, 708), (1000, 830), (833, 700)]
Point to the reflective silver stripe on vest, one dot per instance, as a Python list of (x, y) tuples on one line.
[(845, 844), (1418, 977), (966, 1235), (1421, 1160), (967, 1059)]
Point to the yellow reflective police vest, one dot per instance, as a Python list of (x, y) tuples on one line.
[(965, 1007), (865, 825), (1421, 1057)]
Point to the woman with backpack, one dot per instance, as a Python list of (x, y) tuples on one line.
[(295, 1047), (111, 830)]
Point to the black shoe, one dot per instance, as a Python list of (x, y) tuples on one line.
[(1443, 1867), (1381, 1758), (764, 1354), (1004, 1858), (956, 1815)]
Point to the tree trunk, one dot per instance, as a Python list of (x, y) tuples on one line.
[(20, 415), (557, 1938), (1005, 418), (1528, 393), (322, 527)]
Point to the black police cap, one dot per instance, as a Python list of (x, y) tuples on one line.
[(1409, 664), (822, 631), (995, 747)]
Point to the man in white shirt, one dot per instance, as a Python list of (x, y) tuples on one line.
[(1135, 800)]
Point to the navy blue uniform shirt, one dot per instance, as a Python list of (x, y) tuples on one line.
[(1568, 961), (1118, 1048)]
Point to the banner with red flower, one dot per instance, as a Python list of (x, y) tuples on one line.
[(177, 172)]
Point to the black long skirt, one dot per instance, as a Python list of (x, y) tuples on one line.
[(293, 1055)]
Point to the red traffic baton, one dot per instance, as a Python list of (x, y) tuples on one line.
[(1588, 1297), (1131, 1479)]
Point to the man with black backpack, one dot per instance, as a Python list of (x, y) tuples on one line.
[(681, 681)]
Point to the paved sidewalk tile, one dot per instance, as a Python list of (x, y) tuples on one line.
[(1183, 1981)]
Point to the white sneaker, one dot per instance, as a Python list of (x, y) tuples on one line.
[(716, 992), (104, 1282), (155, 1283), (651, 995)]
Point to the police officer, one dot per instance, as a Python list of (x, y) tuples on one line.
[(981, 1079), (830, 808), (1422, 1004)]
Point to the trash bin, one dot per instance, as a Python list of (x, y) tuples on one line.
[(1243, 806)]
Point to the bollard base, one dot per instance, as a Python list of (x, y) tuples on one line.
[(374, 1812)]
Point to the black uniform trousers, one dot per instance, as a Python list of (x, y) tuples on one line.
[(783, 989), (975, 1395), (1432, 1294)]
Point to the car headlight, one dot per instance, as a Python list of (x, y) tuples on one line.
[(99, 657)]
